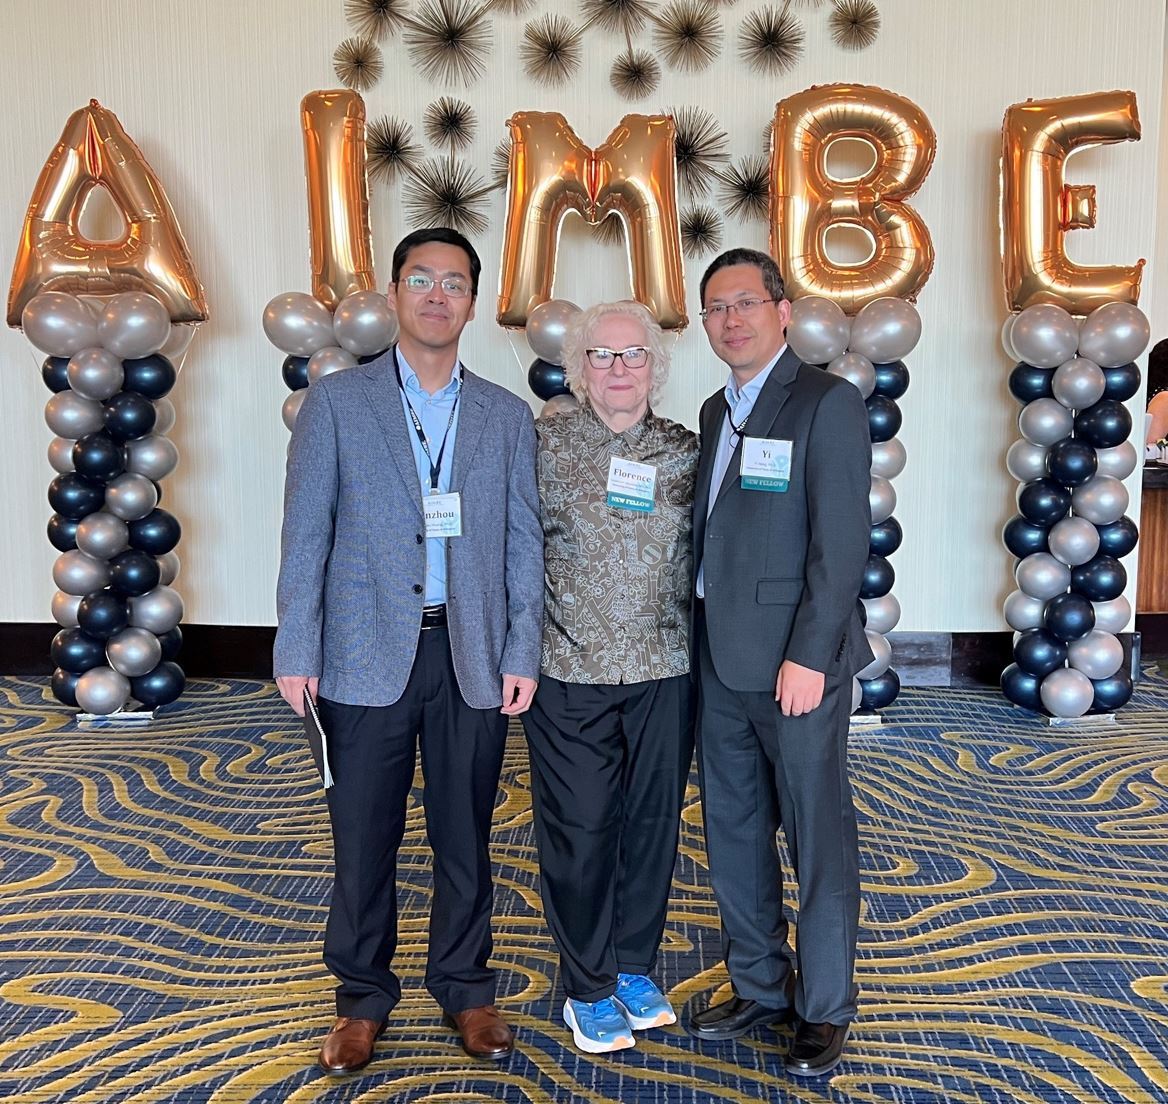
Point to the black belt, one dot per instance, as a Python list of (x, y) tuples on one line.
[(433, 617)]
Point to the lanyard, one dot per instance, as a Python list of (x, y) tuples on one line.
[(735, 430), (435, 464)]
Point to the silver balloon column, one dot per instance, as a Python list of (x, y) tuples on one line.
[(109, 367), (867, 351), (1071, 530), (547, 325)]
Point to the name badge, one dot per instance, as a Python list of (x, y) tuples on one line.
[(443, 515), (631, 485), (766, 464)]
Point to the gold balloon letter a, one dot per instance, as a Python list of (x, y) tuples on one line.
[(1038, 207), (631, 175), (151, 256)]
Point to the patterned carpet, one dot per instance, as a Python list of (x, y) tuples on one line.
[(162, 893)]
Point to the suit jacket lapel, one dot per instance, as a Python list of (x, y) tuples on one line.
[(385, 401), (472, 420)]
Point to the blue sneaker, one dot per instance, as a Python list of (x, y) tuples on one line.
[(599, 1027), (644, 1004)]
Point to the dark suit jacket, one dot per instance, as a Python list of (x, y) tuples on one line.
[(783, 570)]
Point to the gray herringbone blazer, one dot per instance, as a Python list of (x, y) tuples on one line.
[(353, 559)]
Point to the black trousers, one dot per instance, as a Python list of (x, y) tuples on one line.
[(371, 752), (608, 771)]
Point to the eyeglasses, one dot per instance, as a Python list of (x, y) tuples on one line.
[(419, 284), (719, 312), (635, 356)]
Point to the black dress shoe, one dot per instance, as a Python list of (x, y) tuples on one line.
[(816, 1049), (730, 1019)]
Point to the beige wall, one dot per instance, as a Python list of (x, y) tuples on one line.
[(210, 91)]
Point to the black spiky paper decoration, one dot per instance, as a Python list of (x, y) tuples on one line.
[(701, 231), (700, 148), (376, 19), (449, 122), (551, 49), (744, 187), (449, 40), (688, 34), (854, 23), (635, 74), (390, 149), (447, 192), (771, 40), (616, 15), (358, 63)]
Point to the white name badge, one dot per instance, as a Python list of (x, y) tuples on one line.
[(631, 485), (766, 464), (443, 515)]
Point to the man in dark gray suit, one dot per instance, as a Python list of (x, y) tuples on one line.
[(781, 525), (411, 597)]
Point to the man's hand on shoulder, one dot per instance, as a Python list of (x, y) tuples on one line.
[(292, 689), (798, 689), (517, 694)]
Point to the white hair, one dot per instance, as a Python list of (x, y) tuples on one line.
[(579, 337)]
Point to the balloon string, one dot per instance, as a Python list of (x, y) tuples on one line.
[(511, 343)]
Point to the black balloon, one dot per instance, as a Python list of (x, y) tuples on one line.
[(160, 686), (1028, 383), (64, 686), (885, 538), (891, 379), (1100, 579), (1023, 537), (1068, 617), (546, 380), (98, 456), (73, 496), (1104, 425), (862, 610), (295, 372), (152, 376), (880, 691), (102, 614), (1038, 653), (883, 417), (76, 652), (878, 578), (1119, 538), (1043, 501), (63, 533), (54, 372), (129, 415), (1122, 382), (1071, 462), (1022, 689), (1111, 693), (171, 642), (133, 573), (157, 533)]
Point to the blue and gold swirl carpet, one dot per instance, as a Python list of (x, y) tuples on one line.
[(163, 891)]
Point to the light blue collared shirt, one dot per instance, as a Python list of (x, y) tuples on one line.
[(434, 413), (741, 402)]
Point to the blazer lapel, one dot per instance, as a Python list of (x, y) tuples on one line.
[(385, 401), (472, 420)]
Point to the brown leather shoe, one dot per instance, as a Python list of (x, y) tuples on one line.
[(484, 1034), (349, 1045)]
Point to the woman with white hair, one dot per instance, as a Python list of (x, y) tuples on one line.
[(610, 731)]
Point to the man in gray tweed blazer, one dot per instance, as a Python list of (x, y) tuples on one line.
[(411, 599)]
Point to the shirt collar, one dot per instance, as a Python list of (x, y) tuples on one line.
[(634, 432), (411, 383), (751, 388)]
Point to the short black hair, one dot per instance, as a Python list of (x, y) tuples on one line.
[(1158, 369), (444, 235), (772, 278)]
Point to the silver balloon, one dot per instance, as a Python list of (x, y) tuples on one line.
[(1113, 616), (326, 361), (856, 369), (883, 613), (364, 324), (559, 404), (857, 694), (886, 330), (169, 566), (1007, 344), (888, 458), (1023, 612), (133, 324), (163, 416), (291, 407), (59, 324), (547, 323), (1074, 540), (1066, 692), (298, 324), (1045, 335), (130, 496), (882, 653), (175, 349), (882, 499), (103, 535), (1097, 654), (95, 374), (819, 330), (76, 573), (1045, 421), (1102, 499), (158, 610), (61, 454), (1040, 575), (102, 691), (1114, 334), (64, 608), (69, 415), (152, 456), (1026, 461), (133, 652), (1119, 461), (1078, 383)]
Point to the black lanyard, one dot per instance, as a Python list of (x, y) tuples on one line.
[(435, 465), (735, 430)]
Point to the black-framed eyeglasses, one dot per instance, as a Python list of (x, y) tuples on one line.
[(719, 312), (635, 356), (419, 283)]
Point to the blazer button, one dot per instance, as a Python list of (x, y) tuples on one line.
[(417, 588), (418, 537)]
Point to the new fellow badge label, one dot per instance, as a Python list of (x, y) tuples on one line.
[(766, 464), (631, 485)]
